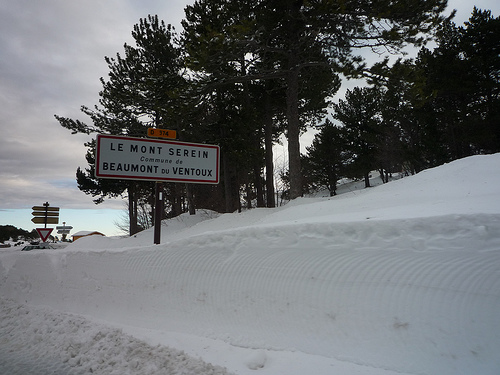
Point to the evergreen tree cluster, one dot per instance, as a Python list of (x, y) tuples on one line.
[(243, 74), (416, 114), (10, 232)]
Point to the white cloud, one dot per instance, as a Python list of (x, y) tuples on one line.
[(51, 61)]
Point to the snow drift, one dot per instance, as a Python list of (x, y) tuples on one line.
[(404, 277)]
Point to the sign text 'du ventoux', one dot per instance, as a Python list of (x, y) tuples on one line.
[(157, 160)]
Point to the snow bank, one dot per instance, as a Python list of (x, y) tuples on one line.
[(42, 342), (403, 277)]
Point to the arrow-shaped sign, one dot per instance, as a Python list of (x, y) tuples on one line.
[(44, 220), (43, 208), (40, 213), (44, 233), (45, 214), (64, 227)]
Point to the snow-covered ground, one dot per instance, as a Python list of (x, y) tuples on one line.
[(403, 278)]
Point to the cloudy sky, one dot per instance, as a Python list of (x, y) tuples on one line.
[(51, 58)]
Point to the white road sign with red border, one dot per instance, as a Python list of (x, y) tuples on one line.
[(44, 233), (157, 160)]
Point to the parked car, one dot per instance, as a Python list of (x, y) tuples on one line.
[(39, 246)]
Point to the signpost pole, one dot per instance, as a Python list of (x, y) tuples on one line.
[(46, 205), (158, 212)]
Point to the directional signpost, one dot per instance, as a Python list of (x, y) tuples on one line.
[(45, 215), (64, 230)]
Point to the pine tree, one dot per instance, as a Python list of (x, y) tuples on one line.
[(326, 157), (463, 87), (144, 88), (361, 118)]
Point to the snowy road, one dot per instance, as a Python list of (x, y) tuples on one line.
[(39, 341)]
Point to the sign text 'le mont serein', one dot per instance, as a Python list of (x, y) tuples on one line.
[(157, 160)]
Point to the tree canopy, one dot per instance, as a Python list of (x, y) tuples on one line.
[(8, 232), (241, 74), (421, 113), (284, 40)]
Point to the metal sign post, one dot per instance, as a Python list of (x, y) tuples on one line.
[(158, 212)]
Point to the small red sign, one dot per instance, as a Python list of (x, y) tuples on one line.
[(44, 233)]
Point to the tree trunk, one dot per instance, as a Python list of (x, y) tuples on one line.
[(268, 142), (132, 209), (177, 199), (248, 197), (367, 180), (227, 184), (332, 181), (292, 114), (190, 199), (258, 186)]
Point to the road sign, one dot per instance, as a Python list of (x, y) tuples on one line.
[(44, 220), (162, 133), (44, 233), (156, 160), (43, 213), (64, 227), (43, 208)]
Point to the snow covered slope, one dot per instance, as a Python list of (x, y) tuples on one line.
[(404, 277)]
